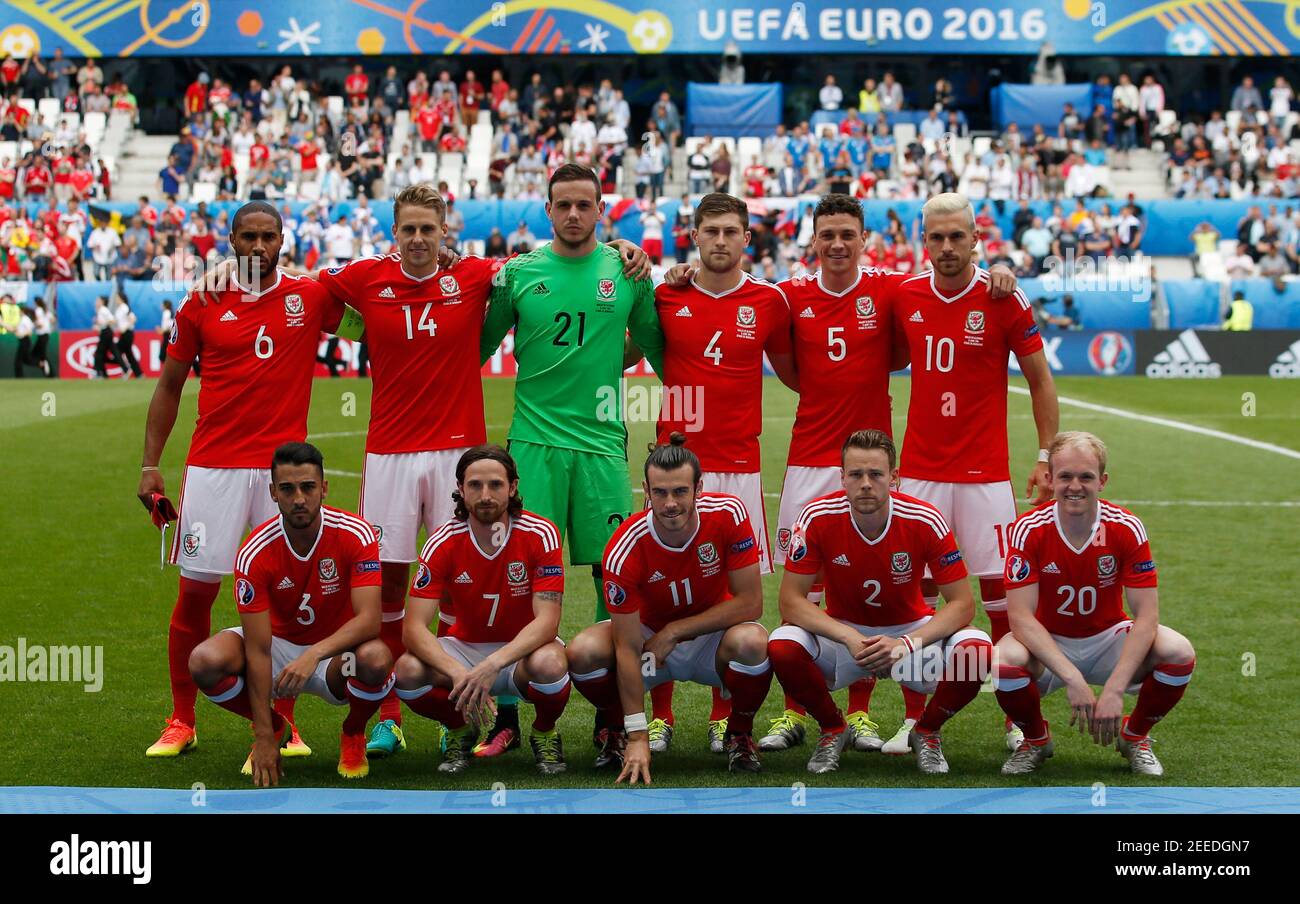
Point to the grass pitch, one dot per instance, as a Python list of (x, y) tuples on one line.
[(82, 568)]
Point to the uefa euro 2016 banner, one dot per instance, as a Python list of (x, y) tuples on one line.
[(124, 28)]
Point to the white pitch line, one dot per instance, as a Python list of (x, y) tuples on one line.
[(1176, 425), (1211, 503), (335, 473)]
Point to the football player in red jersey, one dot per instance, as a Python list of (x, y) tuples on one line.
[(1071, 564), (258, 353), (423, 309), (872, 545), (717, 328), (684, 595), (501, 569), (307, 591), (955, 450), (844, 349)]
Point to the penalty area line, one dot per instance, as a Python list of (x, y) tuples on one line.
[(1172, 424)]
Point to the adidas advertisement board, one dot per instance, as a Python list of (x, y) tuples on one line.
[(1209, 354)]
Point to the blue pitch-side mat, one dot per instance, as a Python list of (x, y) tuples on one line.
[(656, 800)]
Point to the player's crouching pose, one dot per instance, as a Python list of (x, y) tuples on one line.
[(500, 569), (873, 547), (307, 591), (683, 592), (1070, 564)]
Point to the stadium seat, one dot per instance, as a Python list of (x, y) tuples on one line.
[(334, 107), (904, 134), (96, 122), (1233, 119), (401, 125), (49, 109), (981, 145), (484, 118), (203, 192), (29, 105), (309, 191), (748, 148), (9, 151)]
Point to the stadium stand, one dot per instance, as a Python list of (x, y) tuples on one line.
[(1068, 172)]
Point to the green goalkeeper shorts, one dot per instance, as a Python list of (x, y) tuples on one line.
[(587, 495)]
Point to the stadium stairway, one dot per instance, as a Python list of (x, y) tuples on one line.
[(1144, 180), (138, 169)]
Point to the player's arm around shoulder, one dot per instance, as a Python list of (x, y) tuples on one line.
[(500, 315), (643, 324)]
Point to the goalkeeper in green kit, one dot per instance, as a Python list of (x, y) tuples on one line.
[(572, 309)]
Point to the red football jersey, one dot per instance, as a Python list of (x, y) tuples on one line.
[(309, 597), (842, 348), (258, 358), (874, 582), (491, 596), (423, 336), (1080, 591), (665, 584), (957, 417), (716, 343)]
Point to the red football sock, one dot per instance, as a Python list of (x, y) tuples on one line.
[(284, 706), (748, 689), (231, 693), (913, 703), (390, 632), (190, 625), (1161, 691), (860, 695), (661, 701), (363, 700), (961, 682), (1017, 694), (721, 707), (802, 679), (993, 596), (435, 703), (548, 700), (794, 705), (601, 688)]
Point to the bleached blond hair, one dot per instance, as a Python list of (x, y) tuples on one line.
[(1078, 439), (948, 202)]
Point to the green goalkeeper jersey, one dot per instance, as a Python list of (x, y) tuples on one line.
[(570, 316)]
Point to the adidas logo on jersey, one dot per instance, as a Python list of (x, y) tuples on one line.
[(388, 292), (841, 559), (229, 315), (464, 578), (540, 289), (807, 312), (1184, 357), (1287, 363), (285, 584), (657, 576), (916, 317), (1050, 568), (684, 312)]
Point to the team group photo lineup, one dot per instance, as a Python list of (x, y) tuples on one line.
[(581, 407), (868, 539)]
